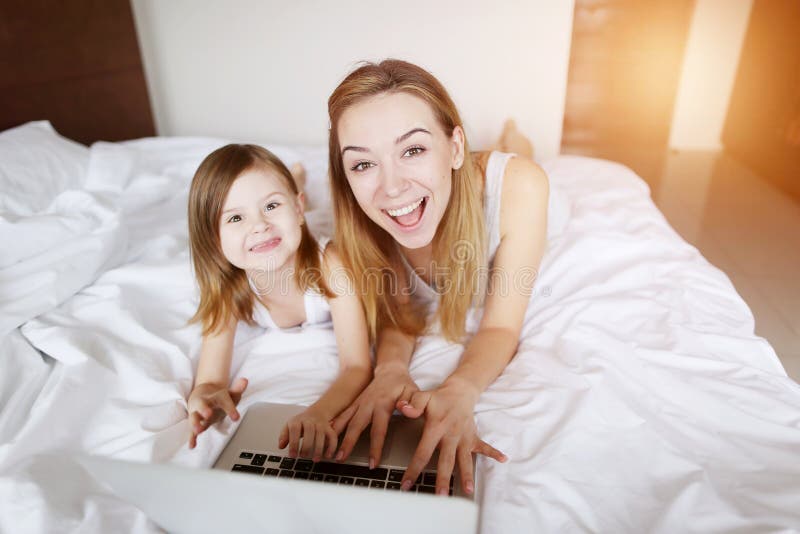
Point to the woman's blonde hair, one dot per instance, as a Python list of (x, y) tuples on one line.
[(225, 291), (459, 245)]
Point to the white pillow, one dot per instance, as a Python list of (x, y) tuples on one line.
[(36, 165)]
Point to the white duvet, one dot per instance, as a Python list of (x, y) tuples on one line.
[(639, 401)]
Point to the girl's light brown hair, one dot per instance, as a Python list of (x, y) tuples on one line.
[(370, 252), (225, 291)]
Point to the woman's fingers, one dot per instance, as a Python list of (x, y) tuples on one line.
[(481, 447), (357, 425), (465, 467), (405, 395), (416, 406), (377, 435), (447, 459), (427, 444)]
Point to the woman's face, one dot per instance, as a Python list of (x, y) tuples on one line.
[(399, 164), (260, 225)]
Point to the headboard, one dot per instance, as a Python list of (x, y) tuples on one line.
[(76, 64)]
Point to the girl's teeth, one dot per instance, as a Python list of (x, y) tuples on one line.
[(404, 211)]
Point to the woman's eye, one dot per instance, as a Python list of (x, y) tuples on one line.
[(361, 166), (271, 206), (414, 151), (234, 218)]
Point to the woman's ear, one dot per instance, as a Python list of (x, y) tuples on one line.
[(457, 146)]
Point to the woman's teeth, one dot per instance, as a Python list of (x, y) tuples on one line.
[(404, 211)]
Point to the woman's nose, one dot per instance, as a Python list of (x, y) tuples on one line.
[(393, 182)]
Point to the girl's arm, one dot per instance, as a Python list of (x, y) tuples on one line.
[(449, 409), (211, 395), (355, 368)]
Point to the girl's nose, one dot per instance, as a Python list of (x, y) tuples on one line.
[(260, 226)]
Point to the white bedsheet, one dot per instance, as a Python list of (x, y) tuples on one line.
[(640, 399)]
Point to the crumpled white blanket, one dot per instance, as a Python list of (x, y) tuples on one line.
[(639, 401)]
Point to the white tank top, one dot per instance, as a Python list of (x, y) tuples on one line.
[(318, 311), (493, 188)]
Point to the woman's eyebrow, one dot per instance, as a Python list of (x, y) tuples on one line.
[(355, 148), (396, 141), (409, 134)]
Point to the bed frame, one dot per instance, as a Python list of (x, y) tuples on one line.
[(76, 64)]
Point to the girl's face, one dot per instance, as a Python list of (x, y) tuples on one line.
[(260, 225), (398, 162)]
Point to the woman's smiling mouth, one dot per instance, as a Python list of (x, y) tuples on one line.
[(408, 216)]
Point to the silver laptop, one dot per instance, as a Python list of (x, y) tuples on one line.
[(254, 449), (255, 487)]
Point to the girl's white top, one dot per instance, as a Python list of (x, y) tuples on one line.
[(318, 311)]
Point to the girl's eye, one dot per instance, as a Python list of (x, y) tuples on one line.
[(361, 166), (414, 151), (271, 206), (234, 218)]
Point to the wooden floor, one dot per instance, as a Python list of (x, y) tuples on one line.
[(742, 224)]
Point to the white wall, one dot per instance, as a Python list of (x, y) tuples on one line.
[(716, 35), (263, 70)]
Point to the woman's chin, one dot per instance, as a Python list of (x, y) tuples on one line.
[(413, 240)]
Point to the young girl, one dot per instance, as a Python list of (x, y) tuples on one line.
[(256, 261)]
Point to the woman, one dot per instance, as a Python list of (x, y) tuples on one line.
[(410, 200)]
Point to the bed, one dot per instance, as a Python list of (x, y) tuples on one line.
[(640, 399)]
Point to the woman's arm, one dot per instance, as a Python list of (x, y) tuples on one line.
[(449, 408), (355, 369), (391, 384), (211, 395)]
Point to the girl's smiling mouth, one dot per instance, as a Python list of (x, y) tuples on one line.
[(266, 246), (408, 216)]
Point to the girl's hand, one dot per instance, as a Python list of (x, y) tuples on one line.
[(374, 405), (450, 426), (315, 430), (209, 402)]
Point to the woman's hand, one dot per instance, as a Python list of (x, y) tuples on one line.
[(390, 385), (209, 402), (316, 432), (450, 426)]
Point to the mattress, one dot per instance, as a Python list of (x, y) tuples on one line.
[(639, 400)]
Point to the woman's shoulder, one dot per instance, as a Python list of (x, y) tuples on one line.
[(522, 176), (525, 193)]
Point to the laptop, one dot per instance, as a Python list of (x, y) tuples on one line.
[(255, 487)]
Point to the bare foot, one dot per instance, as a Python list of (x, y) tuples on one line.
[(512, 140), (299, 175)]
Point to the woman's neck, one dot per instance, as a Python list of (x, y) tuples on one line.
[(420, 260)]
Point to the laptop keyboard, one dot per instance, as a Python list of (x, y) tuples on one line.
[(381, 478)]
